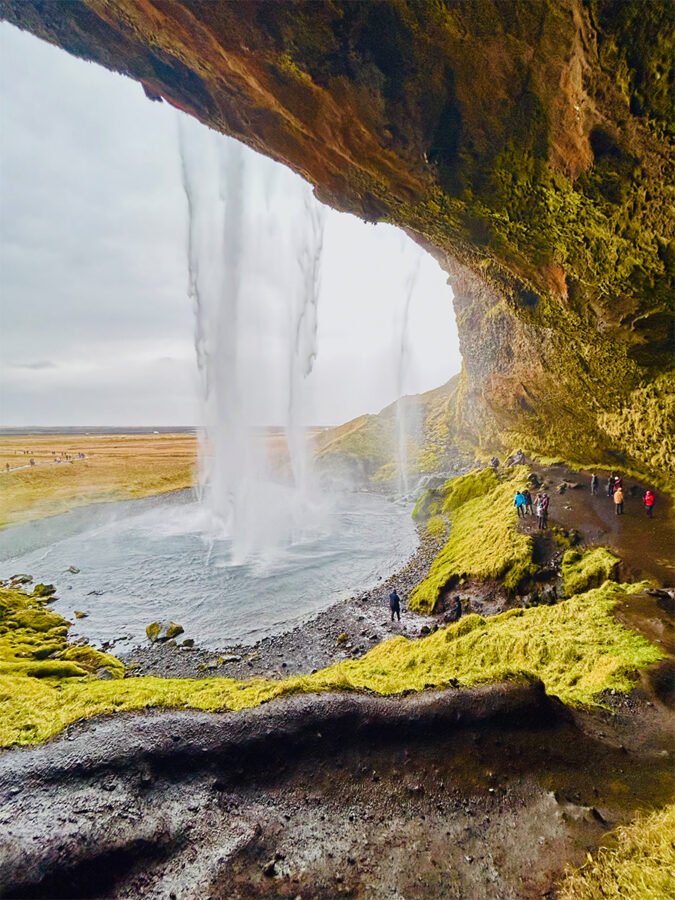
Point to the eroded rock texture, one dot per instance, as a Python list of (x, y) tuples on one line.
[(526, 144)]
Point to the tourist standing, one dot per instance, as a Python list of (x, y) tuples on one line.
[(610, 485), (520, 503), (528, 502), (649, 502), (395, 605), (594, 484), (618, 500)]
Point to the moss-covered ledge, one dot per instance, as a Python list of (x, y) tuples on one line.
[(576, 648)]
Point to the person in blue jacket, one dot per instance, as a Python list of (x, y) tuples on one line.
[(520, 503)]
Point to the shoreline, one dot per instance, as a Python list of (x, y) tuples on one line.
[(313, 644)]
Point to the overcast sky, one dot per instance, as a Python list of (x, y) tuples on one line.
[(96, 326)]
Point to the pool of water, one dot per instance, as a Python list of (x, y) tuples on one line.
[(155, 559)]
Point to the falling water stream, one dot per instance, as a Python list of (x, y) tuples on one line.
[(254, 253)]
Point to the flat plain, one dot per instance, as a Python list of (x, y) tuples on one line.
[(115, 467)]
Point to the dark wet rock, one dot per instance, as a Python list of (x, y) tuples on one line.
[(188, 643), (20, 579), (104, 674), (73, 570)]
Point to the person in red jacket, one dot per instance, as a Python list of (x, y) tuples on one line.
[(649, 503)]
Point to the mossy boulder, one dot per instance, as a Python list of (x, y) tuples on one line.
[(44, 590), (159, 632), (582, 571)]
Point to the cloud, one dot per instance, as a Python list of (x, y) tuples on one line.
[(40, 364), (95, 321)]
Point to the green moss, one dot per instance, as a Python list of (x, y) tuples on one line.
[(582, 571), (637, 862), (577, 648), (484, 541), (420, 507), (34, 642), (645, 425), (152, 631), (437, 527)]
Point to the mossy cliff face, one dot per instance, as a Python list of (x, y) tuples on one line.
[(528, 145)]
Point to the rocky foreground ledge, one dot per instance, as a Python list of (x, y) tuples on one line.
[(319, 796)]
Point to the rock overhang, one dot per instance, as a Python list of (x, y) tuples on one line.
[(527, 145)]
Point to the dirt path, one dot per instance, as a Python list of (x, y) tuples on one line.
[(645, 546)]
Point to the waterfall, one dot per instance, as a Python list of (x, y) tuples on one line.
[(402, 361), (254, 242)]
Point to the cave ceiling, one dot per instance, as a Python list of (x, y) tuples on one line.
[(526, 143)]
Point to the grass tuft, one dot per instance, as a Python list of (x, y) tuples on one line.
[(638, 863), (582, 571)]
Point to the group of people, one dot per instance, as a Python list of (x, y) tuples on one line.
[(616, 492), (539, 506)]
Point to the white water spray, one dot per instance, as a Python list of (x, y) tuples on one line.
[(254, 250)]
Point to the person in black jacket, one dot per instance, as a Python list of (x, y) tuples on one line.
[(395, 605)]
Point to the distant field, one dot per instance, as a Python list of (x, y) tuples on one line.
[(117, 467)]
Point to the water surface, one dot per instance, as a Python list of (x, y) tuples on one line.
[(147, 560)]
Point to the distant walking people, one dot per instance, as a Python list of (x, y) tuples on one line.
[(649, 502), (618, 500), (395, 605), (528, 502), (520, 503), (610, 485), (594, 484)]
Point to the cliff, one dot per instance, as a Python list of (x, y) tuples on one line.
[(527, 145)]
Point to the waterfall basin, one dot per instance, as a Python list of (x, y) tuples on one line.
[(157, 559)]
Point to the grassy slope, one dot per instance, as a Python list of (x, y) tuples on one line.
[(118, 467), (484, 541), (373, 439), (636, 863), (577, 648)]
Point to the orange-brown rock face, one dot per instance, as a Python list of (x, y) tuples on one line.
[(526, 144)]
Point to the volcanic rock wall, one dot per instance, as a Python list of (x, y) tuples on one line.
[(526, 143)]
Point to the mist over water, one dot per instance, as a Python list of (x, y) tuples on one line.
[(255, 235)]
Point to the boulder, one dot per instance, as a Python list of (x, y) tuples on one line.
[(80, 615), (159, 632), (44, 590), (20, 579), (73, 570)]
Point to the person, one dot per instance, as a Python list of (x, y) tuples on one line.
[(395, 605), (618, 483), (594, 484), (610, 485), (455, 613), (649, 502), (494, 462), (618, 500), (528, 502), (543, 511), (520, 503)]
